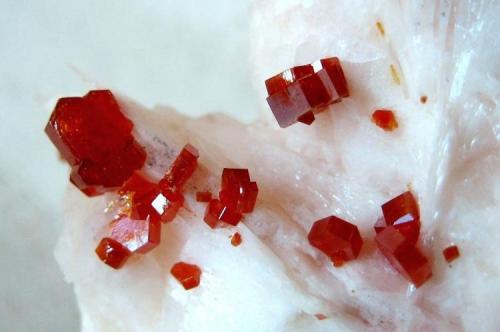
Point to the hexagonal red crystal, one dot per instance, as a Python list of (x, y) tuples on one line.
[(188, 275), (337, 238), (112, 253), (451, 253), (95, 138), (138, 236), (181, 169), (297, 93), (404, 256), (217, 212), (402, 212), (237, 191), (385, 119)]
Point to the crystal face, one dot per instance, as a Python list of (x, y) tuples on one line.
[(451, 253), (181, 169), (138, 236), (337, 238), (404, 256), (297, 93), (96, 139), (187, 274), (402, 212), (385, 119), (112, 253), (237, 191), (217, 212)]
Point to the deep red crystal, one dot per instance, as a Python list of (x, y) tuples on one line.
[(149, 202), (404, 256), (402, 212), (187, 274), (138, 236), (112, 253), (181, 169), (96, 139), (217, 212), (236, 239), (337, 238), (203, 196), (385, 119), (299, 92), (451, 253), (237, 191)]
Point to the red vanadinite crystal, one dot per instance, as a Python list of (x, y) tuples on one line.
[(112, 253), (138, 236), (299, 92), (451, 253), (217, 212), (380, 225), (402, 212), (385, 119), (404, 256), (203, 196), (149, 202), (187, 274), (237, 191), (181, 170), (236, 239), (96, 139), (337, 238)]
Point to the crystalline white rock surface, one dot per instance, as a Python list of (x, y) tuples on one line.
[(447, 150)]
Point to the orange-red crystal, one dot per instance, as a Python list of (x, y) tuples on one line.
[(217, 212), (402, 212), (451, 253), (337, 238), (187, 274), (404, 256), (96, 139), (236, 239), (112, 253), (385, 119), (203, 196), (299, 92), (181, 169)]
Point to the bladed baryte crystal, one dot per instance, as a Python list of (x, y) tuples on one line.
[(296, 94)]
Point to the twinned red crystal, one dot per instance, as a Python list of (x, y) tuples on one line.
[(402, 212), (187, 274), (404, 256), (385, 119), (296, 94), (217, 212), (237, 191), (451, 253), (337, 238), (96, 139), (112, 253)]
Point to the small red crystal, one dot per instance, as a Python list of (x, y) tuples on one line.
[(236, 239), (299, 92), (237, 191), (385, 119), (216, 212), (404, 256), (402, 212), (96, 139), (181, 169), (451, 253), (149, 202), (380, 225), (337, 238), (203, 196), (112, 253), (187, 274), (138, 236)]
